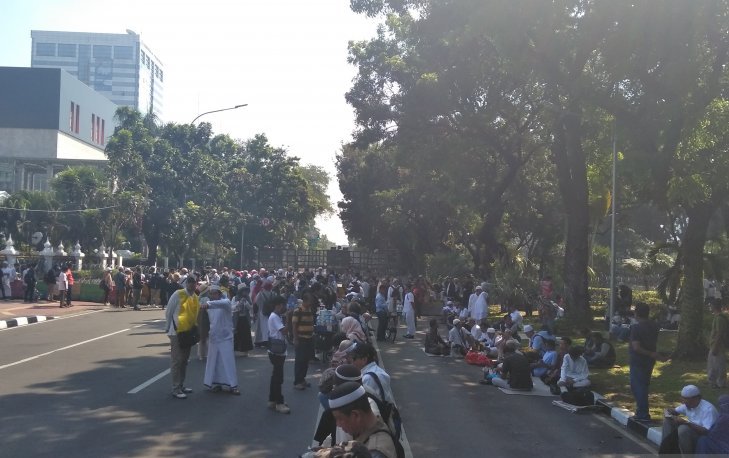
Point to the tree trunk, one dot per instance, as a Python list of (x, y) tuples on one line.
[(152, 237), (570, 161), (691, 343)]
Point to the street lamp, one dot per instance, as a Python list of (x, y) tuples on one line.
[(215, 111)]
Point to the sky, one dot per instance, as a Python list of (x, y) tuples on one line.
[(287, 59)]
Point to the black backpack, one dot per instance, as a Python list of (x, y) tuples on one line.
[(399, 450), (388, 410)]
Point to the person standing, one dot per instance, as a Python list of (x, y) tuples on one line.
[(29, 280), (643, 356), (408, 308), (266, 293), (181, 315), (62, 284), (107, 283), (302, 326), (242, 341), (120, 281), (220, 368), (155, 283), (716, 362), (382, 312), (69, 289), (277, 353), (137, 286), (8, 275)]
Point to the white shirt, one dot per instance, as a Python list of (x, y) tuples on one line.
[(704, 414), (407, 305), (476, 332), (371, 386), (575, 369), (221, 320), (365, 289), (275, 325), (457, 336), (62, 281)]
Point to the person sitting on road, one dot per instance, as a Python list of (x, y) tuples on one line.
[(514, 372), (490, 340), (537, 339), (548, 361), (551, 377), (575, 372), (603, 354), (434, 343), (460, 340), (700, 416)]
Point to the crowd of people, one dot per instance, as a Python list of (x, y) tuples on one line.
[(292, 312)]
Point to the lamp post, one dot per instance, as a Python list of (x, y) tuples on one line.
[(215, 111)]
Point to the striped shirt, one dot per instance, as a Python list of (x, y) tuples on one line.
[(303, 321)]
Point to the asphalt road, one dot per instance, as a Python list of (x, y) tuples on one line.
[(65, 392)]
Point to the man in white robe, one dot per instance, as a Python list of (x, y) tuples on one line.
[(220, 368), (481, 307), (473, 298)]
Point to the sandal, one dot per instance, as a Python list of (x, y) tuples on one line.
[(235, 391)]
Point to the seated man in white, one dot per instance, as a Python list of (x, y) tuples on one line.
[(689, 421), (575, 373), (459, 339)]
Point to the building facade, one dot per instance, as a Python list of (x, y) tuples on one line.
[(49, 120), (119, 66)]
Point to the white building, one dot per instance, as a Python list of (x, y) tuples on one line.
[(49, 120), (119, 66)]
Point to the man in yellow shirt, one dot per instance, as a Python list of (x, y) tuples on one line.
[(181, 314)]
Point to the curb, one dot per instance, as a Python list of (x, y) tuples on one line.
[(23, 321), (624, 417)]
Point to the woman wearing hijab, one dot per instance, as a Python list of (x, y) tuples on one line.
[(352, 328), (242, 319)]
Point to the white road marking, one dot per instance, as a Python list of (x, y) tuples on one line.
[(68, 346), (144, 385)]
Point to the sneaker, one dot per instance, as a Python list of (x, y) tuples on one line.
[(271, 405), (186, 390), (179, 394), (282, 408), (300, 386)]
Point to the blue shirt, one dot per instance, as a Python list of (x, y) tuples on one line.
[(380, 303), (549, 358)]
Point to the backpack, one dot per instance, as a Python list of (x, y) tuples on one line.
[(399, 450), (388, 410)]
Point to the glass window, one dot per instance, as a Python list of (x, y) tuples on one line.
[(123, 52), (45, 49), (102, 51), (66, 50)]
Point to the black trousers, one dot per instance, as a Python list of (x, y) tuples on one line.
[(277, 376), (29, 290), (382, 318), (304, 353)]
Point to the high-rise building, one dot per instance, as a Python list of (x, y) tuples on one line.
[(119, 66)]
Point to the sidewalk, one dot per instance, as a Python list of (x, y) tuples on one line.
[(15, 312)]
